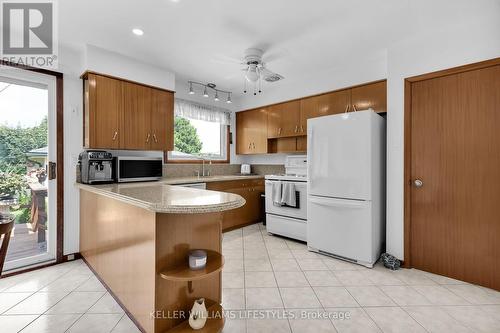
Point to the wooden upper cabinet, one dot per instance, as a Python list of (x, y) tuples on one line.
[(334, 102), (162, 120), (251, 132), (287, 122), (323, 105), (309, 108), (372, 95), (103, 96), (290, 118), (283, 119), (137, 111), (120, 114)]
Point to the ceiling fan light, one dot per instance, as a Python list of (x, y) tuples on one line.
[(252, 75), (216, 96), (229, 101), (191, 91), (205, 92)]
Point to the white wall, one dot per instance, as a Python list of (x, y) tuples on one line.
[(443, 36), (106, 62), (72, 63)]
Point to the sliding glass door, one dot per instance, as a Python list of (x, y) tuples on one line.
[(27, 152)]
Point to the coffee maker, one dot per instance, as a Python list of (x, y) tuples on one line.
[(96, 167)]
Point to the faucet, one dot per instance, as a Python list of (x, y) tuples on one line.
[(203, 160)]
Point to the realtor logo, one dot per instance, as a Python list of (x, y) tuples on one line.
[(28, 33)]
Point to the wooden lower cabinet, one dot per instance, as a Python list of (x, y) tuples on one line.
[(251, 212)]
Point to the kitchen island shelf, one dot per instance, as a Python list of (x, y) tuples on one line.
[(214, 324), (215, 262)]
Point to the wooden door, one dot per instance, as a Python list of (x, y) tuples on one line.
[(290, 118), (309, 108), (256, 124), (162, 120), (455, 153), (136, 117), (334, 102), (302, 144), (372, 95), (243, 145), (274, 126), (106, 106)]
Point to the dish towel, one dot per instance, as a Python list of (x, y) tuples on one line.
[(288, 195), (276, 193)]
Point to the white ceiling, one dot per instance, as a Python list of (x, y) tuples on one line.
[(196, 38)]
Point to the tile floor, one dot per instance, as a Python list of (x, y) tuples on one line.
[(271, 284)]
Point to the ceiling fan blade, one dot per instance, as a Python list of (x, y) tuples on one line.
[(270, 76), (224, 59)]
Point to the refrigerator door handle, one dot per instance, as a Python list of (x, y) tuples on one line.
[(310, 155), (337, 202)]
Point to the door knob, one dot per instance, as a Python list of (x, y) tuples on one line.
[(418, 183)]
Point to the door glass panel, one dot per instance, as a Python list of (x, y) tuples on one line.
[(24, 156)]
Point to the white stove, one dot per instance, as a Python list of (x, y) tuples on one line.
[(285, 177), (282, 218)]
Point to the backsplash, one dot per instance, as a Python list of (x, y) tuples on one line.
[(189, 170)]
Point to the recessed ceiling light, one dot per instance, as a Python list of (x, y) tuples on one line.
[(138, 31)]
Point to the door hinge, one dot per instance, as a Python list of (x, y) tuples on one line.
[(52, 172)]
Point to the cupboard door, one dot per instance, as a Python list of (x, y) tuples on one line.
[(334, 102), (242, 136), (302, 144), (136, 117), (105, 104), (370, 96), (256, 122), (286, 145), (162, 120), (290, 118), (309, 108), (274, 127)]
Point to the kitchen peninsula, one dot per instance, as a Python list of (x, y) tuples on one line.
[(136, 238)]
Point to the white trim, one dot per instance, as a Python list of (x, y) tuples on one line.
[(48, 82)]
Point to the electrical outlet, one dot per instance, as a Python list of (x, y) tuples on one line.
[(71, 257)]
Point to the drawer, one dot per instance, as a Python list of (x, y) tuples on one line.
[(232, 184), (285, 226)]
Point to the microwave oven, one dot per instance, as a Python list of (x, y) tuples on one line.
[(138, 169)]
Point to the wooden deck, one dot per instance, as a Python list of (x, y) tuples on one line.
[(24, 243)]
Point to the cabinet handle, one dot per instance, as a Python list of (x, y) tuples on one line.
[(115, 135), (296, 128), (347, 108), (148, 137), (250, 146), (279, 131), (354, 108), (154, 137), (253, 145), (301, 128)]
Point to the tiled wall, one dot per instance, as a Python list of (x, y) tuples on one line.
[(189, 170)]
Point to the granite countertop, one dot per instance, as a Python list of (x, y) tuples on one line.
[(207, 179), (163, 198)]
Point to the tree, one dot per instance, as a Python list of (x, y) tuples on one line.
[(15, 142), (185, 137)]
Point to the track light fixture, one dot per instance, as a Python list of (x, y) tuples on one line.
[(211, 86)]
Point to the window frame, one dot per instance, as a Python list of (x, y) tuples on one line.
[(169, 160)]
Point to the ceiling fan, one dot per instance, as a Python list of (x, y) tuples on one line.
[(256, 71)]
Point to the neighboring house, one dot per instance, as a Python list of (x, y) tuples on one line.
[(37, 158)]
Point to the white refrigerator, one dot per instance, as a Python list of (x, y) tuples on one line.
[(346, 186)]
